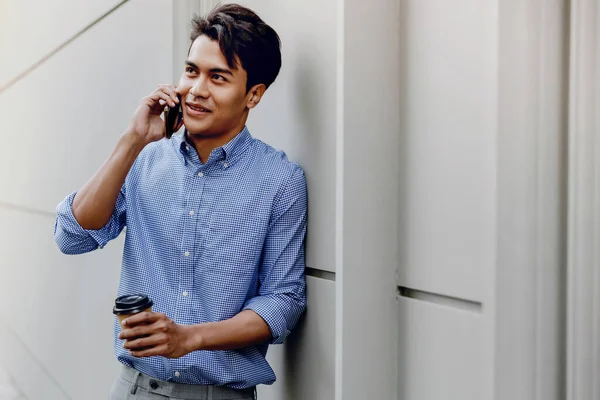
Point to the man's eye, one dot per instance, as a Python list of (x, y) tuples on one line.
[(189, 70), (218, 77)]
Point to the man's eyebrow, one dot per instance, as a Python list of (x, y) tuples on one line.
[(191, 64), (216, 70), (221, 71)]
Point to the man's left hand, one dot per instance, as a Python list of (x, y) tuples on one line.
[(154, 334)]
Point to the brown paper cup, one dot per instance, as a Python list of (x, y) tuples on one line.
[(122, 317)]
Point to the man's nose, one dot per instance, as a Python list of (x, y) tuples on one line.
[(200, 88)]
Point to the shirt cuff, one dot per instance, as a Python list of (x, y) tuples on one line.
[(268, 309), (70, 225)]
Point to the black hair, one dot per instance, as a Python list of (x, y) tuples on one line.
[(242, 35)]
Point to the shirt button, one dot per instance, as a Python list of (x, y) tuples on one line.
[(185, 293), (187, 253), (225, 165), (200, 174), (191, 212), (187, 148), (177, 374)]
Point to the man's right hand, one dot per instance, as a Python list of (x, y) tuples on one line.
[(146, 125)]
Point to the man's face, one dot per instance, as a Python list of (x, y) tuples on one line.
[(214, 98)]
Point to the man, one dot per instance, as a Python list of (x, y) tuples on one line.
[(215, 224)]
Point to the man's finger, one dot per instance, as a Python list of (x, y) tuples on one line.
[(136, 332), (145, 317), (142, 343), (154, 351), (170, 90), (156, 97)]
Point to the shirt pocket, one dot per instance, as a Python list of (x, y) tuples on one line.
[(234, 242)]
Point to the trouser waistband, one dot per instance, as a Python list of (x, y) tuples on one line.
[(182, 390)]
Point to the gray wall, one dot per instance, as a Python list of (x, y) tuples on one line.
[(483, 199), (434, 138), (447, 198), (61, 120)]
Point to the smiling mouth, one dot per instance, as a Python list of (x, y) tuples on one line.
[(197, 109)]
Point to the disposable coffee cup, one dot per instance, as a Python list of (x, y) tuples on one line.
[(126, 306)]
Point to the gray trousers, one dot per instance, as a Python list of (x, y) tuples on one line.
[(131, 384)]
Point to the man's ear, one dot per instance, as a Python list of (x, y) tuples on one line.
[(255, 93)]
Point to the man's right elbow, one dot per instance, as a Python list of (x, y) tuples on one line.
[(71, 244), (74, 248), (67, 246), (67, 250)]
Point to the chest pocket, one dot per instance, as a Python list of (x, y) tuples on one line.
[(235, 240)]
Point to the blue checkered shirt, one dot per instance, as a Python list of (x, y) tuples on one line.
[(206, 241)]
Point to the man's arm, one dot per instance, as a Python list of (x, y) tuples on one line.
[(282, 290), (268, 317), (94, 203), (245, 329), (95, 214), (154, 334)]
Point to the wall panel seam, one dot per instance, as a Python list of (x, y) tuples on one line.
[(10, 331), (582, 341), (27, 210), (57, 49)]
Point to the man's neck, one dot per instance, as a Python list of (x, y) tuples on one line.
[(204, 145)]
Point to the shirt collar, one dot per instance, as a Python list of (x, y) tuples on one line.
[(228, 151), (237, 145), (182, 142)]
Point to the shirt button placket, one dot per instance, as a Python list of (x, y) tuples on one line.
[(186, 281)]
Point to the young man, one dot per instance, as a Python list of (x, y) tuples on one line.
[(215, 224)]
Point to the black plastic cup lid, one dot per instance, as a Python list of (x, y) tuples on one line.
[(131, 304)]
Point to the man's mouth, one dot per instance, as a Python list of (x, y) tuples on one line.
[(197, 108)]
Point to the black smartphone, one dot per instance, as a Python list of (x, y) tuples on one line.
[(173, 116)]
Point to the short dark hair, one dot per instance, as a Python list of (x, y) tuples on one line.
[(241, 32)]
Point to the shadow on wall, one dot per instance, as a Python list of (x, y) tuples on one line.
[(293, 357), (308, 115)]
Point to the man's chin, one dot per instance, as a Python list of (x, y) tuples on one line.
[(199, 131)]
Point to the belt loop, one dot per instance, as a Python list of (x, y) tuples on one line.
[(210, 392), (134, 384)]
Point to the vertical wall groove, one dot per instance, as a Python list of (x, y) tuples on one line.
[(529, 345), (339, 203), (583, 356)]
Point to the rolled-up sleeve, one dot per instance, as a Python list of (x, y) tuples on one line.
[(282, 293), (72, 238)]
